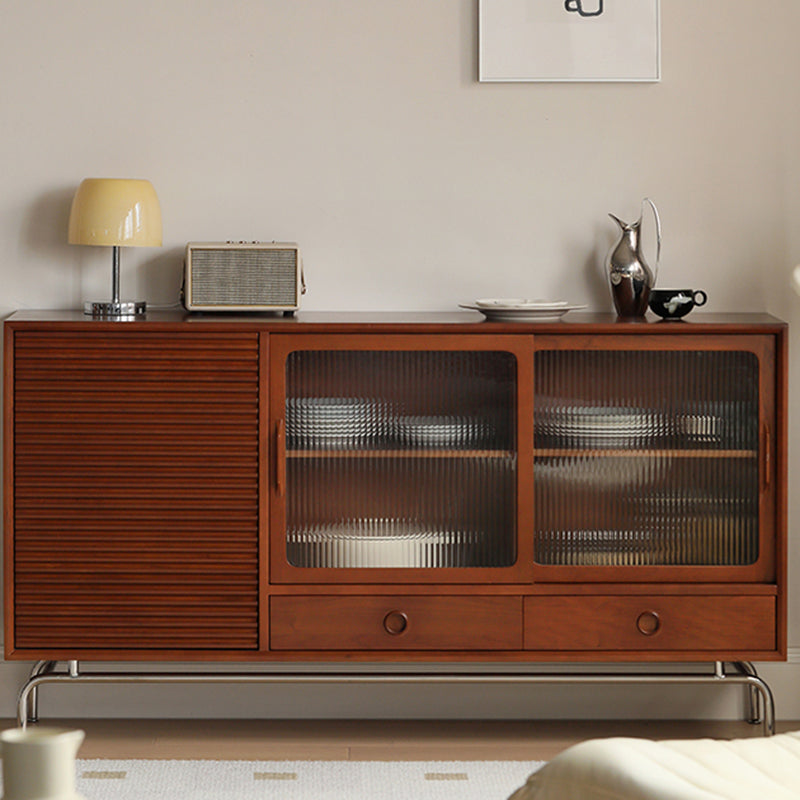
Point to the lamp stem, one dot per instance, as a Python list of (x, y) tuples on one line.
[(115, 308), (115, 274)]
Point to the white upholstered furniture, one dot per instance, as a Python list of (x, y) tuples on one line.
[(692, 769)]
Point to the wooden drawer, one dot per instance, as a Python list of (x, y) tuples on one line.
[(395, 623), (650, 623)]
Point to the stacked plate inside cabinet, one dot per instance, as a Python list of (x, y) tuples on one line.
[(506, 309), (333, 423), (556, 473), (442, 431), (380, 543), (596, 426), (599, 548)]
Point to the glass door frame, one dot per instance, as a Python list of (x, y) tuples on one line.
[(764, 569), (282, 345)]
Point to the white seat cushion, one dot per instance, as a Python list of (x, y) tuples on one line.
[(766, 768)]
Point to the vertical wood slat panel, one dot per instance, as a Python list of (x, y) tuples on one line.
[(136, 490)]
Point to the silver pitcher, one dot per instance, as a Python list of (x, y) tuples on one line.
[(631, 277)]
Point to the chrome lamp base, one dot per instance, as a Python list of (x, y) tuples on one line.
[(115, 308)]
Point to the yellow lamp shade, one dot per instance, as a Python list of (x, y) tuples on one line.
[(120, 212)]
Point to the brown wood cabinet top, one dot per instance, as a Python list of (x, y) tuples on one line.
[(410, 321)]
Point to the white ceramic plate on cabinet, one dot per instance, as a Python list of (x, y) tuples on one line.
[(521, 313)]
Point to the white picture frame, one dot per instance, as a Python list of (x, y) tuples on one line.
[(569, 40)]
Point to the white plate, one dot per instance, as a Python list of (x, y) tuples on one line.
[(381, 543), (434, 431), (514, 303), (521, 314)]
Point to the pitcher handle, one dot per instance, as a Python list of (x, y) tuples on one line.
[(658, 235)]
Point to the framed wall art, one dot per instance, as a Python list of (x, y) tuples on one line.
[(569, 40)]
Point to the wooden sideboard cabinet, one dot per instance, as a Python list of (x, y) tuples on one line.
[(393, 488)]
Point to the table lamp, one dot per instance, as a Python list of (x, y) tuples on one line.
[(115, 212)]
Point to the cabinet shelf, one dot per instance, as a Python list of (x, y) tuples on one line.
[(399, 454), (556, 452)]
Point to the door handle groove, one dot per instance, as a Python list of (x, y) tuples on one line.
[(280, 457)]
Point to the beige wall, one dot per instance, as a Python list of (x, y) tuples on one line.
[(357, 128)]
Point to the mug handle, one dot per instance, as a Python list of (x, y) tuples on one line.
[(658, 237), (702, 294)]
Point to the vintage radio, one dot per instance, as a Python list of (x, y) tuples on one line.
[(243, 276)]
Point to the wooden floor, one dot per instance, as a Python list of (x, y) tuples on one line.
[(357, 740)]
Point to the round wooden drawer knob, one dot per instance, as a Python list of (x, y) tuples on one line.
[(395, 622), (648, 623)]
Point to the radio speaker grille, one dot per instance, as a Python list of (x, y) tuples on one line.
[(244, 277)]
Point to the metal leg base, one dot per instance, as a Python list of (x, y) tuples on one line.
[(761, 708), (39, 668), (755, 713)]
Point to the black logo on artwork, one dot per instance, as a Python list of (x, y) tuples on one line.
[(578, 5)]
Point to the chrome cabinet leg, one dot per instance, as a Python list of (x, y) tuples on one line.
[(758, 691), (754, 710), (39, 668)]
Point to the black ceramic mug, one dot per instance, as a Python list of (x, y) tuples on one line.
[(676, 303)]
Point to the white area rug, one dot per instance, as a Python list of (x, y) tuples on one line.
[(105, 779)]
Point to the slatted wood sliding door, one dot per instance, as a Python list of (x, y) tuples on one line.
[(136, 499)]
